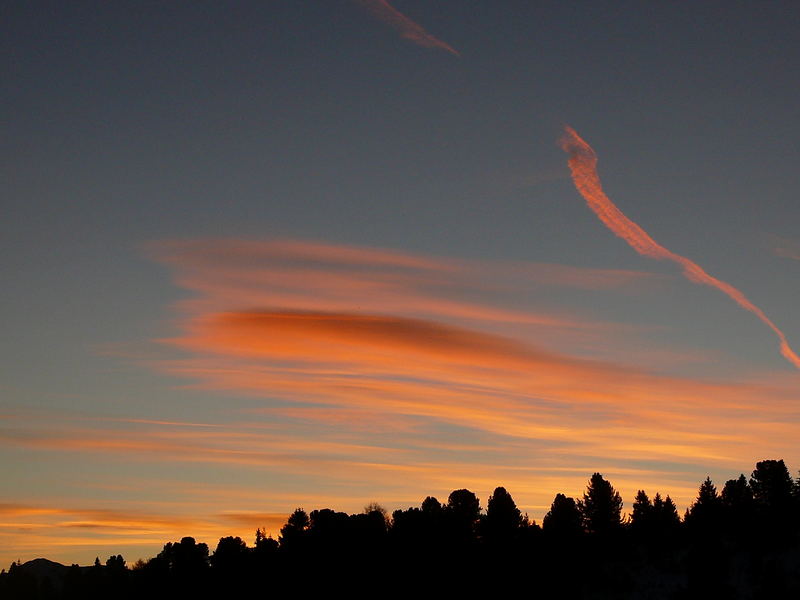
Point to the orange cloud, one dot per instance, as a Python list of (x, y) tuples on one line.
[(306, 276), (340, 331), (236, 444), (407, 28), (306, 336), (583, 165), (24, 510), (397, 367), (271, 522)]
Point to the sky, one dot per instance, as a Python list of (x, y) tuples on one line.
[(261, 255)]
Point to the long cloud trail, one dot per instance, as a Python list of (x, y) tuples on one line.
[(583, 165), (410, 30)]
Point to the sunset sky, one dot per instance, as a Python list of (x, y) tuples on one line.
[(260, 255)]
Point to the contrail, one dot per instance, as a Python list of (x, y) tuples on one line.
[(410, 30), (583, 164)]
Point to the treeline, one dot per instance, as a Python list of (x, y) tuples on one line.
[(738, 542)]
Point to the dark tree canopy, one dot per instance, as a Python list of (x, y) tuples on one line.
[(298, 520), (737, 498), (737, 492), (705, 513), (503, 518), (669, 514), (115, 562), (265, 547), (230, 553), (431, 505), (601, 506), (772, 485), (464, 509), (564, 517), (375, 508), (740, 543), (641, 512), (293, 533), (186, 558), (665, 519), (773, 496)]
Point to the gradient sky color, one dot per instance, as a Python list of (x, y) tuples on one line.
[(259, 255)]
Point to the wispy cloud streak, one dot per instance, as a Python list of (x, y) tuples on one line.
[(318, 277), (583, 165), (407, 28), (786, 248)]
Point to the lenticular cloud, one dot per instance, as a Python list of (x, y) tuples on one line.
[(583, 165)]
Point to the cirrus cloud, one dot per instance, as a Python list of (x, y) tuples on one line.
[(408, 29)]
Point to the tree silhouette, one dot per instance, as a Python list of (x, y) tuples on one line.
[(738, 508), (116, 563), (408, 525), (772, 485), (564, 518), (264, 556), (641, 513), (601, 507), (773, 491), (375, 507), (664, 520), (261, 534), (705, 513), (503, 518), (423, 530), (180, 567), (326, 524), (293, 533), (116, 574), (737, 492), (463, 511), (369, 528), (431, 505), (264, 544), (231, 554), (186, 558)]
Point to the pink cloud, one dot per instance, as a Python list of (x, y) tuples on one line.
[(583, 164)]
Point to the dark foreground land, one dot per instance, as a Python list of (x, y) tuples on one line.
[(743, 542)]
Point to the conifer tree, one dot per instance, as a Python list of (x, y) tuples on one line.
[(503, 518), (601, 506), (705, 513), (772, 485), (641, 512), (669, 514), (773, 491), (293, 532), (563, 520)]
